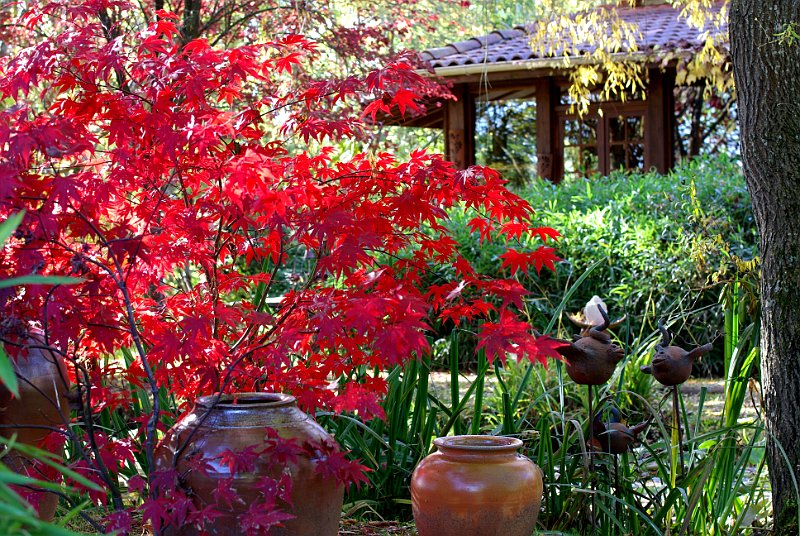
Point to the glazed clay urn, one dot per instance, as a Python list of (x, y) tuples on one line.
[(592, 358), (672, 365), (476, 486), (41, 408), (250, 422)]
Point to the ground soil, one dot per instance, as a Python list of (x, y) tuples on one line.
[(351, 527)]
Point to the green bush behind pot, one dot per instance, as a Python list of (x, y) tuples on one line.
[(663, 242)]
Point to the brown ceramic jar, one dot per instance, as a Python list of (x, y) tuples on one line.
[(238, 422), (476, 486), (43, 385)]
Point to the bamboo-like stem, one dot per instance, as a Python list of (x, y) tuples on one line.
[(618, 508), (590, 448), (591, 427), (676, 422)]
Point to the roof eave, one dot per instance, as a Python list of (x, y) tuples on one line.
[(535, 64)]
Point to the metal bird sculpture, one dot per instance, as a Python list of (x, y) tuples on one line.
[(672, 365), (592, 358), (614, 436)]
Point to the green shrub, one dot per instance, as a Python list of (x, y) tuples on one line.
[(662, 243)]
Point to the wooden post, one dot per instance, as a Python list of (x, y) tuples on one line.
[(659, 122), (550, 155), (459, 128)]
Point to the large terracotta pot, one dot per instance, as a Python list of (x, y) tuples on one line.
[(476, 486), (237, 423), (43, 385)]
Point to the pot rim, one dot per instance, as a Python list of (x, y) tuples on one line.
[(480, 443), (245, 401)]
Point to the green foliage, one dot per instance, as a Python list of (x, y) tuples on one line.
[(415, 415), (391, 448), (16, 516), (717, 485), (788, 35), (663, 245)]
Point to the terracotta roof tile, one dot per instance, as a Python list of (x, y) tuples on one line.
[(661, 28)]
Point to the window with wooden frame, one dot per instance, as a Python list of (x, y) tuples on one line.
[(579, 137), (607, 138)]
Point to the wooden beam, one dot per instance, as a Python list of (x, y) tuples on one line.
[(523, 75), (520, 94), (660, 120), (459, 126), (669, 117), (550, 154), (480, 89)]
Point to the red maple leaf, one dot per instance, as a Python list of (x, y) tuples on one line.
[(259, 519), (240, 461), (482, 226), (515, 261), (224, 494), (404, 99)]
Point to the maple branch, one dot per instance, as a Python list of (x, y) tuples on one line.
[(108, 86), (213, 278), (86, 416), (162, 192), (53, 429), (79, 506), (150, 435), (224, 385), (232, 25), (263, 298)]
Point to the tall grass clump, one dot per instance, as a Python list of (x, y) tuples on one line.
[(658, 242), (680, 248)]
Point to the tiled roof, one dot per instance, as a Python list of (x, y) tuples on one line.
[(661, 29)]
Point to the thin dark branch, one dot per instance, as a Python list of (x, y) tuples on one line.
[(150, 437)]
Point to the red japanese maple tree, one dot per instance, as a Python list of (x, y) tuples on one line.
[(185, 182)]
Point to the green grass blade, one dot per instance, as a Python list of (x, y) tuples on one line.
[(40, 280), (10, 225), (7, 375)]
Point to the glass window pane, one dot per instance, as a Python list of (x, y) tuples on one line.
[(505, 137), (635, 128), (589, 131), (589, 161), (636, 156), (616, 157), (616, 128), (571, 132), (571, 160)]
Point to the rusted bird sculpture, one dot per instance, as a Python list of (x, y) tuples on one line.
[(615, 437), (672, 365), (591, 358)]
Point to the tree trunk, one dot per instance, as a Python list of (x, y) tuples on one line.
[(696, 138), (191, 20), (767, 75)]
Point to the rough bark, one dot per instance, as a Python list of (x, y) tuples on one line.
[(191, 20), (696, 137), (767, 75)]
